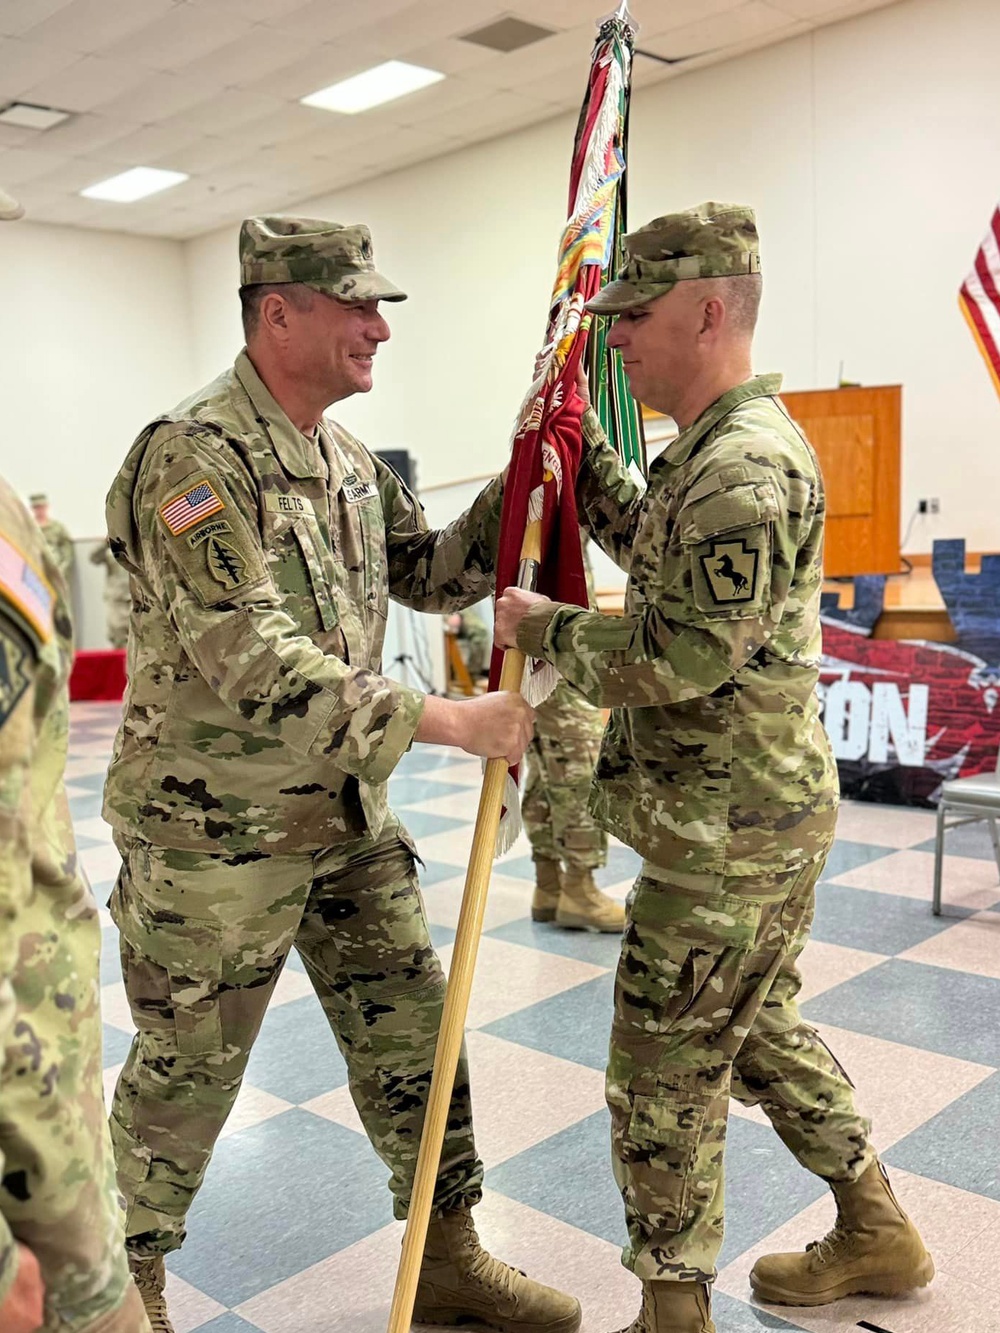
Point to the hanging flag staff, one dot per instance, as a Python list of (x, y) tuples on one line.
[(539, 537)]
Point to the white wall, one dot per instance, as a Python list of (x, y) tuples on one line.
[(871, 150), (94, 340)]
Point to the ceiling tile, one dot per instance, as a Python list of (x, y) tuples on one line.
[(261, 11), (86, 26), (187, 33), (678, 13), (324, 64), (483, 117), (26, 164), (716, 33), (204, 157), (160, 96), (23, 62), (572, 46), (86, 132), (325, 22), (17, 16), (150, 144), (89, 82), (229, 110), (259, 52), (11, 136)]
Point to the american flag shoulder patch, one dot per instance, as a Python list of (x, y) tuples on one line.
[(184, 511), (26, 589)]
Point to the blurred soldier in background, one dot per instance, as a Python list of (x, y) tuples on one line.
[(117, 598), (62, 1255)]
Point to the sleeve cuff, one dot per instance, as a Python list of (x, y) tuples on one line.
[(593, 431), (396, 739), (534, 626)]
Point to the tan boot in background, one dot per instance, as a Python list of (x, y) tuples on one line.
[(150, 1277), (873, 1250), (461, 1282), (674, 1307), (548, 885), (582, 906)]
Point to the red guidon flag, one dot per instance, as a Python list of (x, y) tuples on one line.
[(539, 498), (980, 299)]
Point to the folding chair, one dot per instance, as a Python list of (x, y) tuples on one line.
[(970, 799)]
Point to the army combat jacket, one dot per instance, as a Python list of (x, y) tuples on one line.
[(58, 1192), (715, 760), (261, 562)]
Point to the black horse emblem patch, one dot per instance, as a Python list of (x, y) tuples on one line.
[(730, 569)]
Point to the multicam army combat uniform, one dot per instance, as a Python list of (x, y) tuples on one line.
[(247, 787), (716, 768), (61, 547), (559, 765), (58, 1193)]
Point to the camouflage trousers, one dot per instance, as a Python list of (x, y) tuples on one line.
[(203, 941), (560, 767), (705, 1009)]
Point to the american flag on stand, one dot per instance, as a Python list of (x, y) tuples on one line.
[(979, 299)]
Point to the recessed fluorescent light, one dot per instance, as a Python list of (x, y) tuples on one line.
[(27, 116), (134, 184), (382, 83)]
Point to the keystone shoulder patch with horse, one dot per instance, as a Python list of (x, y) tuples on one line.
[(731, 570)]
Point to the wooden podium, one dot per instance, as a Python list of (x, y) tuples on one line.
[(855, 433)]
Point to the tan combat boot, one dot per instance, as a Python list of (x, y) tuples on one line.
[(582, 906), (674, 1307), (149, 1276), (460, 1281), (873, 1250), (548, 885)]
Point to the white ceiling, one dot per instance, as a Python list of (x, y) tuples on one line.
[(211, 88)]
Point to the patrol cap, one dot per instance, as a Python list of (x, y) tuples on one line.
[(10, 209), (710, 241), (334, 259), (39, 498)]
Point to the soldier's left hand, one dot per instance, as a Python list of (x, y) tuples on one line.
[(510, 611)]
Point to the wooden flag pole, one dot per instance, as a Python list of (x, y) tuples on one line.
[(456, 1002)]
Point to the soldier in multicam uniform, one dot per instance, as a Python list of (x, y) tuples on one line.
[(56, 535), (567, 843), (117, 597), (716, 768), (247, 787), (62, 1256)]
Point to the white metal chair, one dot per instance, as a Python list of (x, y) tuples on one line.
[(970, 799)]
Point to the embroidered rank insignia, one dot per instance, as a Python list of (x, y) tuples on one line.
[(27, 589), (225, 564), (184, 511), (730, 569), (13, 671)]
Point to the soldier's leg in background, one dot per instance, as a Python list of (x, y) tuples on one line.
[(786, 1067), (687, 989), (203, 940), (536, 815), (365, 944)]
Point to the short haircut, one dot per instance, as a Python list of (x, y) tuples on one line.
[(741, 293), (300, 294)]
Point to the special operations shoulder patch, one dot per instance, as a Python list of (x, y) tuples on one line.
[(225, 563), (14, 669)]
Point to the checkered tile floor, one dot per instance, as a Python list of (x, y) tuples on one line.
[(292, 1232)]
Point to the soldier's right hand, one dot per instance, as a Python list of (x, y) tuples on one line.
[(24, 1307), (496, 726)]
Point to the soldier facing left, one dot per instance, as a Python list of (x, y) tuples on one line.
[(62, 1257)]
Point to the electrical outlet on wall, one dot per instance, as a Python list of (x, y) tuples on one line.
[(929, 506)]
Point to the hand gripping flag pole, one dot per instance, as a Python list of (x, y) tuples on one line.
[(539, 543)]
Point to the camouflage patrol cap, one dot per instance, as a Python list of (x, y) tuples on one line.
[(10, 209), (710, 241), (334, 259)]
